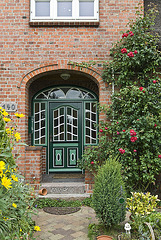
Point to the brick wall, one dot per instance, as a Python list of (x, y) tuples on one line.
[(30, 52)]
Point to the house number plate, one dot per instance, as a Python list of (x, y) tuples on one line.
[(9, 106)]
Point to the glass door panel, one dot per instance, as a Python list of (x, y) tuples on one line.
[(65, 132)]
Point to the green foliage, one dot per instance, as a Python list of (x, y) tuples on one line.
[(92, 158), (108, 190), (133, 127), (134, 123), (95, 230), (48, 202), (16, 205), (87, 201), (142, 203), (126, 70), (5, 146), (142, 230)]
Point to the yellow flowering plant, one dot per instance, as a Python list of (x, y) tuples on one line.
[(16, 204)]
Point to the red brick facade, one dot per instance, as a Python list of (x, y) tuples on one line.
[(33, 53)]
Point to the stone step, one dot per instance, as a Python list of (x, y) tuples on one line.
[(66, 196), (64, 187)]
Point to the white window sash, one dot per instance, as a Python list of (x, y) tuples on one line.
[(53, 12)]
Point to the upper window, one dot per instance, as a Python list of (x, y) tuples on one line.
[(64, 10)]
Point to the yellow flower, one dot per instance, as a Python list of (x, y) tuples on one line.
[(6, 182), (2, 165), (14, 205), (17, 136), (19, 115), (37, 228), (14, 178), (4, 113), (1, 173), (7, 119), (20, 230), (9, 131)]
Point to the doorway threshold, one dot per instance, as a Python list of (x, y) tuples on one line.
[(63, 177)]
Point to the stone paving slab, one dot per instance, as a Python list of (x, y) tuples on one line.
[(64, 227)]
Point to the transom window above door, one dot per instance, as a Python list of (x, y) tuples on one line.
[(64, 10), (65, 93)]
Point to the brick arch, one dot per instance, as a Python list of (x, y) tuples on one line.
[(96, 74)]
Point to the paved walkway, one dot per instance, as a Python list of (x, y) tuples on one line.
[(64, 227)]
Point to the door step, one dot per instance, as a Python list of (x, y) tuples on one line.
[(64, 188), (67, 196)]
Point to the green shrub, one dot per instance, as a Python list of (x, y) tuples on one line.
[(142, 203), (108, 192)]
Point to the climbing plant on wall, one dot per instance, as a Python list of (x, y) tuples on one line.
[(133, 127)]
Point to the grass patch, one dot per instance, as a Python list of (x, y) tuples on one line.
[(48, 202)]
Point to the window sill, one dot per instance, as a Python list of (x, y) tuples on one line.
[(62, 24)]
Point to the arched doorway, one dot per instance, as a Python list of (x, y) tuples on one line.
[(64, 121)]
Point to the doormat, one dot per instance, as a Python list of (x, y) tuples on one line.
[(67, 175), (61, 210)]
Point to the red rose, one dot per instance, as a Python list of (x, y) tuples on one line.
[(106, 128), (132, 132), (137, 119), (92, 162), (143, 91), (101, 130), (124, 50), (125, 35), (135, 52), (132, 34), (154, 81), (133, 139), (118, 133), (155, 125), (117, 122), (130, 54), (135, 150), (124, 130), (159, 156), (122, 151), (141, 88)]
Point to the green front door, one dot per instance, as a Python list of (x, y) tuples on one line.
[(65, 136)]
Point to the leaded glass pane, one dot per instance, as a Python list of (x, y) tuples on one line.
[(90, 123), (39, 123), (56, 94), (43, 140), (72, 124), (58, 124), (65, 93), (74, 93)]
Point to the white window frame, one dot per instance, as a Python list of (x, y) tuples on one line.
[(75, 12)]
